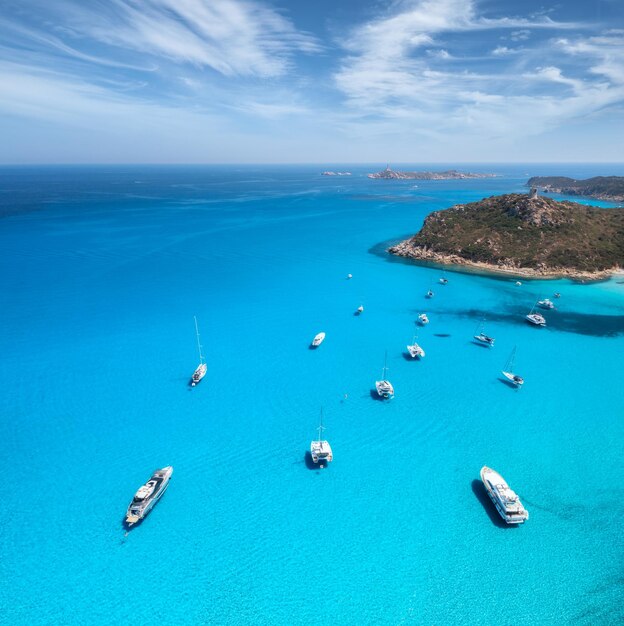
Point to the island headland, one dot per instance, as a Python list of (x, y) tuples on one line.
[(523, 235), (389, 174), (610, 188)]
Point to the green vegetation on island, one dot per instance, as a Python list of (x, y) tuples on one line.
[(601, 187), (524, 235)]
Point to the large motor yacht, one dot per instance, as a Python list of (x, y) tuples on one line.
[(148, 495), (505, 500)]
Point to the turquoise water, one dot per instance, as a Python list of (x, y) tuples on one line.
[(102, 270)]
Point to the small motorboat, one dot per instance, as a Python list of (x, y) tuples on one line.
[(557, 295), (430, 294), (546, 304), (349, 276), (518, 283), (423, 320), (318, 340), (359, 310), (443, 280)]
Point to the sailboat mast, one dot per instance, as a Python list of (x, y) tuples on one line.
[(320, 428), (201, 356), (383, 373)]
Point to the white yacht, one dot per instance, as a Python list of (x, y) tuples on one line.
[(508, 373), (536, 319), (202, 368), (349, 276), (320, 450), (546, 303), (360, 310), (318, 340), (443, 280), (423, 320), (415, 350), (505, 500), (148, 495), (384, 386), (483, 338)]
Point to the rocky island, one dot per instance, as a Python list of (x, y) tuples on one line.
[(610, 188), (446, 175), (524, 235)]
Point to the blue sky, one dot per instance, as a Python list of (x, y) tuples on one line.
[(240, 81)]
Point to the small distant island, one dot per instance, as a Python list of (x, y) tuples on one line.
[(524, 235), (610, 188), (446, 175)]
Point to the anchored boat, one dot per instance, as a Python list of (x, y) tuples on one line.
[(505, 499), (202, 368), (318, 340), (415, 350), (508, 373), (384, 386), (148, 495), (319, 448)]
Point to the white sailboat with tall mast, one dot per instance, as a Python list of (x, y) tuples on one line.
[(202, 368), (415, 350), (320, 450), (384, 386), (537, 319), (482, 337), (508, 372)]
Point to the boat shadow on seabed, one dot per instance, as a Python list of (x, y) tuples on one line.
[(481, 494)]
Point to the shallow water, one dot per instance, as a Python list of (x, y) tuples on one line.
[(102, 270)]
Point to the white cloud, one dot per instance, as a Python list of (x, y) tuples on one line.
[(386, 74), (233, 37)]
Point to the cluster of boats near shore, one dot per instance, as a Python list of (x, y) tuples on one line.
[(505, 500)]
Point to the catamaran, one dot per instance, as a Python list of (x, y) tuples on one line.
[(505, 499), (415, 350), (148, 495), (423, 320), (537, 319), (320, 448), (202, 368), (482, 337), (518, 381), (318, 340), (384, 386)]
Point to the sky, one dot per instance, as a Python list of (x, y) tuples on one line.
[(320, 81)]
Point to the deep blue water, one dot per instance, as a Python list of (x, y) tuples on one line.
[(102, 270)]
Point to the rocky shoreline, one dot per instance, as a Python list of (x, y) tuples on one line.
[(407, 250)]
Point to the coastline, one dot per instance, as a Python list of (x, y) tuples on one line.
[(406, 250)]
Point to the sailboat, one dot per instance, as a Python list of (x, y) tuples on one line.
[(415, 350), (320, 448), (537, 319), (384, 386), (202, 368), (518, 381), (482, 337)]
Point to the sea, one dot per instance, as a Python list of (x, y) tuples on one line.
[(102, 269)]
